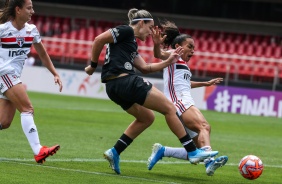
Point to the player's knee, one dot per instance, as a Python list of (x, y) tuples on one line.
[(5, 124), (150, 119), (206, 126), (169, 109)]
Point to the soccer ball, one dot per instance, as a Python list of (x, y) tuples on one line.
[(250, 167)]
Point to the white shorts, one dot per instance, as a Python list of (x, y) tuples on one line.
[(7, 81), (181, 106)]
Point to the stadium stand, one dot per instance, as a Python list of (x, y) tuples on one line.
[(238, 56)]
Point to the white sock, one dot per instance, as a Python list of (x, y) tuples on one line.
[(179, 153), (30, 131), (207, 148)]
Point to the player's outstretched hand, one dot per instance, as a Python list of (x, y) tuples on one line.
[(175, 55), (214, 81), (157, 36), (89, 70), (59, 82)]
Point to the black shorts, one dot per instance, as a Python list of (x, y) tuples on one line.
[(127, 90)]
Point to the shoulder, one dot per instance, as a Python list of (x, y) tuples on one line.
[(30, 26), (4, 26), (122, 32), (123, 29)]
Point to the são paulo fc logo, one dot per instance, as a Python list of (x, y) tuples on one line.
[(128, 66), (20, 41)]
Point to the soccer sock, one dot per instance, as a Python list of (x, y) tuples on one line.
[(206, 148), (0, 126), (207, 160), (122, 143), (30, 131), (188, 143), (179, 153)]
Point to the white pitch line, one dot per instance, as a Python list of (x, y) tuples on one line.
[(88, 172), (122, 161)]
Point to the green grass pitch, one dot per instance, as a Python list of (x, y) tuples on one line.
[(86, 127)]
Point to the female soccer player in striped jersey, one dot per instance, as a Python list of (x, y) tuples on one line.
[(17, 36), (177, 88)]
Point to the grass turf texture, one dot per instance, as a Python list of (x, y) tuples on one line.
[(86, 127)]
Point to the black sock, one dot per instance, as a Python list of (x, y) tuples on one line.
[(188, 143), (122, 143), (0, 126)]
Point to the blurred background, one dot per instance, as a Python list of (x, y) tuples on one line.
[(239, 40)]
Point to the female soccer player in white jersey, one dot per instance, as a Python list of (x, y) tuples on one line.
[(134, 94), (177, 88), (17, 36)]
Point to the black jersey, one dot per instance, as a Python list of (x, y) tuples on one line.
[(120, 54)]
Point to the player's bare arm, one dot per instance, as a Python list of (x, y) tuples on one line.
[(207, 83), (97, 48), (145, 68), (158, 39), (41, 51)]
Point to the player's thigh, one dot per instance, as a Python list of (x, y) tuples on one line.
[(7, 112), (157, 101), (18, 96), (194, 119), (142, 114)]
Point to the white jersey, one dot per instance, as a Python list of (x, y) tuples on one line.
[(177, 85), (177, 88), (15, 45)]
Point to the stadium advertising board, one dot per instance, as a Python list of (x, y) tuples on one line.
[(244, 101), (219, 98)]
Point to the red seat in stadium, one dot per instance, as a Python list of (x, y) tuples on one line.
[(259, 50), (66, 25), (91, 34), (268, 51), (250, 50), (231, 49), (222, 47), (277, 52), (203, 46), (245, 71), (240, 49)]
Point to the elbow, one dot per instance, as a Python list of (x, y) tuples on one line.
[(144, 71), (157, 56)]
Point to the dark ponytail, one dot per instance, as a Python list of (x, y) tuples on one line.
[(173, 35)]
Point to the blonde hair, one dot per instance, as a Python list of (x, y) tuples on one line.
[(138, 15)]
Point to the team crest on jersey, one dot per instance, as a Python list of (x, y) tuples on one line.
[(20, 41), (128, 66)]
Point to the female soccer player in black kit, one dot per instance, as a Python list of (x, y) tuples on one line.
[(134, 94)]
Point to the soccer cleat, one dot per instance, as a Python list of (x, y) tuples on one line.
[(157, 154), (45, 152), (215, 164), (199, 155), (112, 156)]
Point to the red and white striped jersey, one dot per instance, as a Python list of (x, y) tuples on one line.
[(177, 82), (15, 45)]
